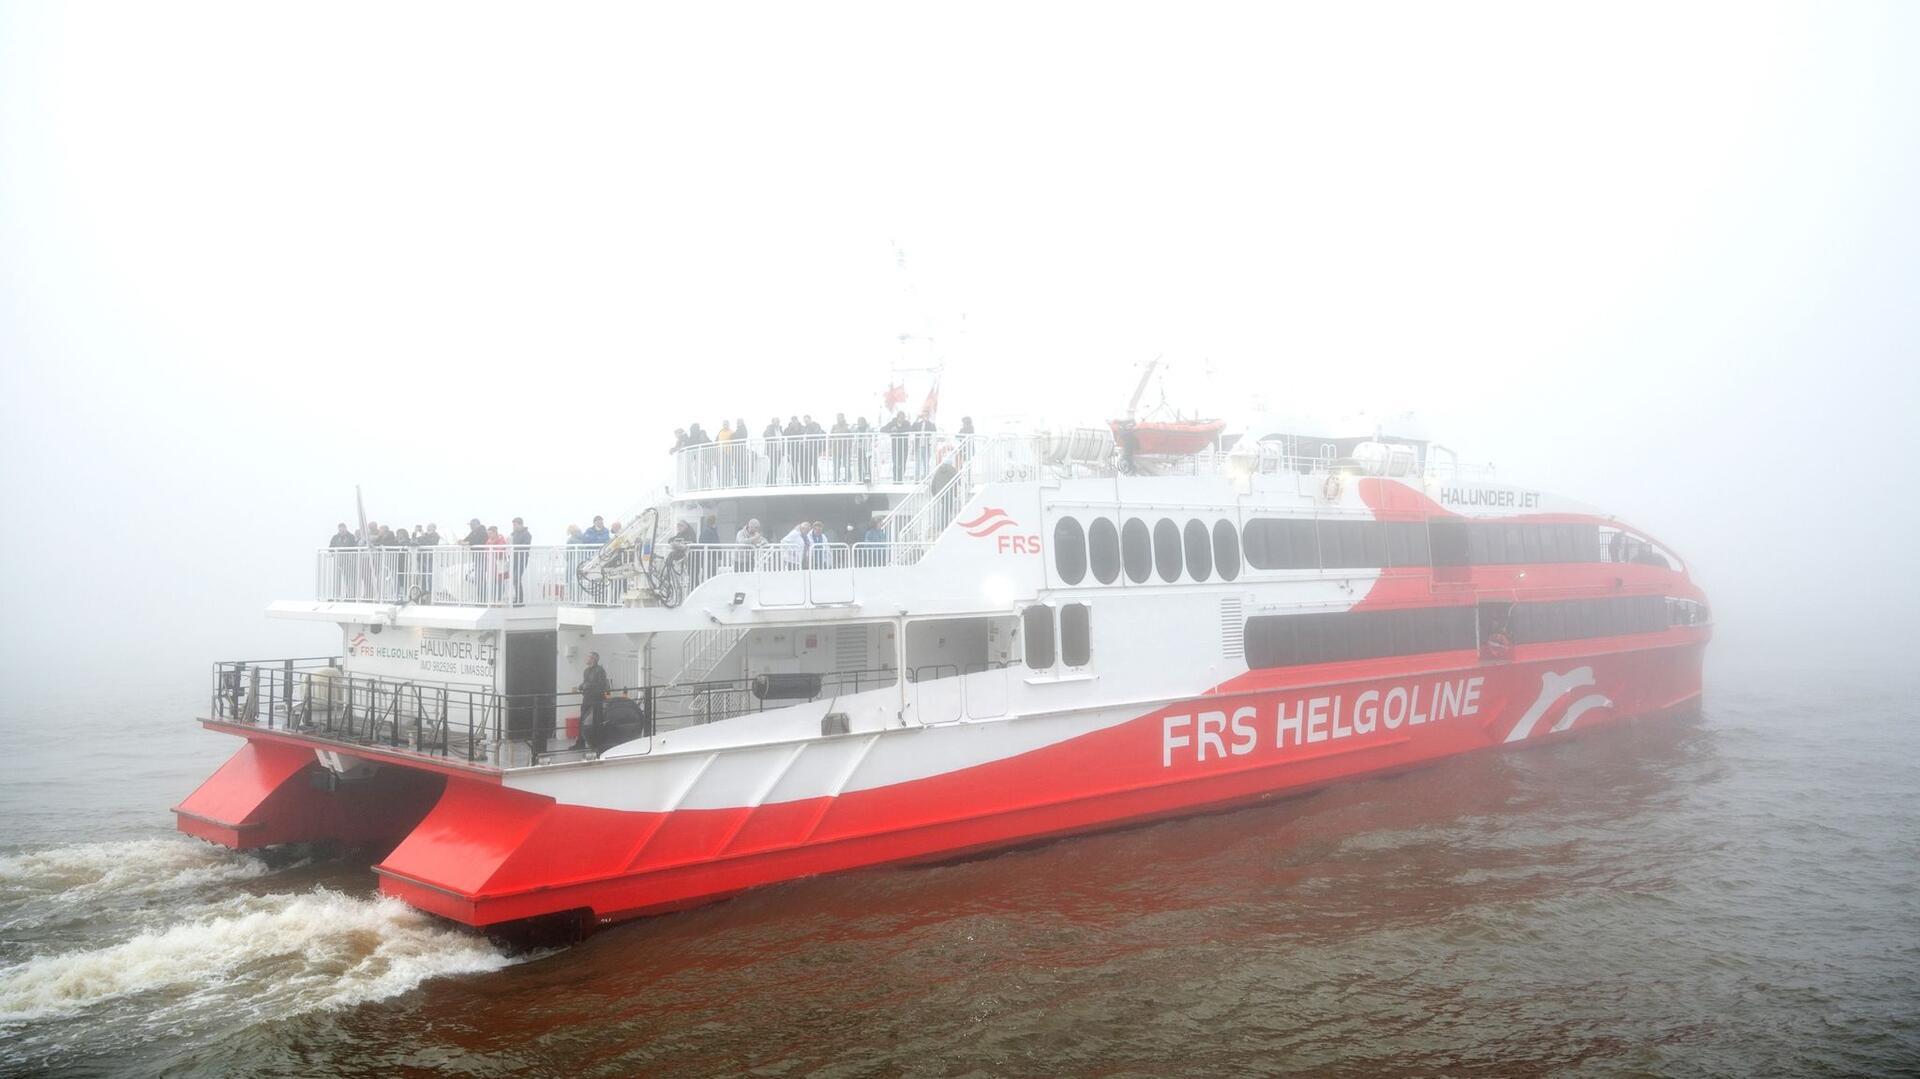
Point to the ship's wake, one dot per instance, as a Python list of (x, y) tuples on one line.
[(78, 874), (186, 943)]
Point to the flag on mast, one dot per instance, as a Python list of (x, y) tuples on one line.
[(932, 404), (895, 396)]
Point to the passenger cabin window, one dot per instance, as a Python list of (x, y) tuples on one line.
[(1167, 555), (1226, 550), (1036, 631), (1069, 551), (1277, 543), (1500, 543), (1291, 640), (1199, 551), (1103, 550), (1076, 639), (1136, 550), (1580, 619)]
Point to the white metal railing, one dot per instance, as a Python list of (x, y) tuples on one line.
[(882, 458), (877, 458), (488, 576), (512, 576), (863, 459)]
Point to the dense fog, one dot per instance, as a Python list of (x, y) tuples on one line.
[(481, 262)]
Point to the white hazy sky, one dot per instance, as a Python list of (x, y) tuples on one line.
[(481, 260)]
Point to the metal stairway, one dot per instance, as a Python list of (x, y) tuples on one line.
[(705, 650)]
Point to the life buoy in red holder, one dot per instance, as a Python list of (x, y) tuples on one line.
[(1331, 489)]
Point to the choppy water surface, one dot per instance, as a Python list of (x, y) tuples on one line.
[(1734, 894)]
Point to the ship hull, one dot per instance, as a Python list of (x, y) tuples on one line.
[(488, 853)]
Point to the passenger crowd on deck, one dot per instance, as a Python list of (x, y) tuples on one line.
[(405, 558), (801, 451), (798, 452)]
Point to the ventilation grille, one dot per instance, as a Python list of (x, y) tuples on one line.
[(1233, 630), (850, 648)]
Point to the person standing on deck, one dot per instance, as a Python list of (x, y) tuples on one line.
[(597, 534), (923, 433), (522, 542), (794, 546), (384, 558), (593, 698), (817, 545), (426, 541), (816, 444), (742, 454), (863, 448), (796, 447), (840, 448), (724, 449), (343, 540), (772, 438), (709, 543), (403, 564), (472, 580), (898, 427), (495, 565), (750, 543)]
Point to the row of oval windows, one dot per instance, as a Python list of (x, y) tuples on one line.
[(1131, 548)]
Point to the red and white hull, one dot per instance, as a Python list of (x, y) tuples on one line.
[(671, 832)]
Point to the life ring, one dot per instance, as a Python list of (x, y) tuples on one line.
[(1331, 488)]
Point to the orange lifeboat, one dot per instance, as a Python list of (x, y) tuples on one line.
[(1176, 439)]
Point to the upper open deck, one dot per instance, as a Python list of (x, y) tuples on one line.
[(904, 462)]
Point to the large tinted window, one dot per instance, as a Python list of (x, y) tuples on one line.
[(1406, 543), (1036, 627), (1533, 542), (1069, 550), (1494, 543), (1450, 543), (1352, 544), (1274, 543), (1578, 619), (1226, 549), (1199, 550), (1495, 546), (1136, 550), (1293, 639), (1103, 550), (1166, 550), (1076, 639)]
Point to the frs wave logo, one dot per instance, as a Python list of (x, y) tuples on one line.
[(360, 646), (1552, 688), (993, 521)]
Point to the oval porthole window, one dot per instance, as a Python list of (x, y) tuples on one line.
[(1069, 550), (1199, 551), (1103, 550), (1136, 550), (1166, 550), (1226, 550)]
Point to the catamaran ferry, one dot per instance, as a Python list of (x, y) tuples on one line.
[(1042, 634)]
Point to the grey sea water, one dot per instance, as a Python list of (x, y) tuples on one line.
[(1734, 894)]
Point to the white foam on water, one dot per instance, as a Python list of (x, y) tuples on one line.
[(266, 956), (127, 867)]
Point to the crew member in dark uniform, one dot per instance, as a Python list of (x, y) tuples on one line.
[(522, 541), (593, 699)]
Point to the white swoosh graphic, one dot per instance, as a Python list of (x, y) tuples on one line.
[(1552, 688)]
